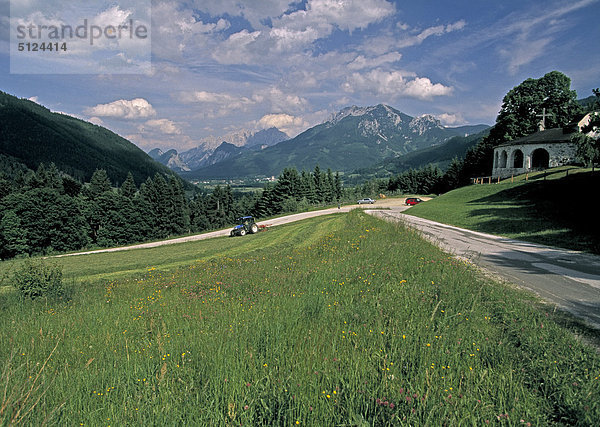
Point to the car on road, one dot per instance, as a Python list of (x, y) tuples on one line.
[(366, 201), (411, 201)]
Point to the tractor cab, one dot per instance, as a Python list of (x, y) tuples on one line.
[(246, 225)]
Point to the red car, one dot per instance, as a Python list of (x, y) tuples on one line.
[(411, 201)]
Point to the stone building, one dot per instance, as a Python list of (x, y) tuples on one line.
[(544, 149)]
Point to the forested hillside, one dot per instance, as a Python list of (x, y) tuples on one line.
[(33, 134), (47, 211)]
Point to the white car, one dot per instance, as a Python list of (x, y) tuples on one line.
[(361, 201)]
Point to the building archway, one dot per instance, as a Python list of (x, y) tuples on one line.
[(503, 159), (496, 159), (517, 159), (540, 159)]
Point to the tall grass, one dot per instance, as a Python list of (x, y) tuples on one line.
[(368, 325)]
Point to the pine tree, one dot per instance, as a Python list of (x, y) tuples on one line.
[(54, 178), (70, 186), (319, 185), (328, 184), (177, 208), (99, 183), (307, 187), (337, 187), (128, 189)]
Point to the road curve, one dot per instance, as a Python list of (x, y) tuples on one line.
[(567, 278)]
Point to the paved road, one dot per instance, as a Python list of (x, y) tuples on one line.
[(567, 278)]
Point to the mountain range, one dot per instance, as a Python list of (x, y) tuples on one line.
[(31, 134), (354, 138), (209, 151), (370, 141)]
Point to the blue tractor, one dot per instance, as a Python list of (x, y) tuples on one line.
[(246, 226)]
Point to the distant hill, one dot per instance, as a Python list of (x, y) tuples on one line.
[(32, 134), (356, 137), (170, 159), (437, 155), (209, 152)]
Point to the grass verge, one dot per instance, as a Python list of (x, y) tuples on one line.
[(550, 208), (363, 323)]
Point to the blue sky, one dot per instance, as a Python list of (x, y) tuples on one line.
[(220, 66)]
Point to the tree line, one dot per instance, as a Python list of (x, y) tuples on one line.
[(48, 211)]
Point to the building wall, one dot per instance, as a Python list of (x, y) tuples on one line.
[(559, 154)]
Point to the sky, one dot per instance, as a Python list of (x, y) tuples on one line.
[(212, 67)]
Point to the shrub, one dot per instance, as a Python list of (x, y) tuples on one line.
[(36, 279)]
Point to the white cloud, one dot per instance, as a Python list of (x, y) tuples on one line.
[(282, 102), (237, 49), (255, 13), (431, 31), (295, 32), (34, 99), (394, 85), (287, 39), (224, 104), (361, 62), (291, 125), (177, 30), (137, 108), (348, 15), (164, 126), (220, 101), (96, 120), (451, 119)]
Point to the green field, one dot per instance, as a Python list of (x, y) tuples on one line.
[(339, 320), (551, 208)]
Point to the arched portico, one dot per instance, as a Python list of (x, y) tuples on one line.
[(540, 159), (503, 159), (517, 159)]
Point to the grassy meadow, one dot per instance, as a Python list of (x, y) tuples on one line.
[(556, 207), (338, 320)]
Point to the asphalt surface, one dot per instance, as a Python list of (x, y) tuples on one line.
[(569, 279)]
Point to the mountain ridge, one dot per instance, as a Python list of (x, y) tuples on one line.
[(32, 134), (208, 152), (353, 138)]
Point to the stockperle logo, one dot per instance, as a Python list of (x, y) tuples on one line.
[(80, 37)]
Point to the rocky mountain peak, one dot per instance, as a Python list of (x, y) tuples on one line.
[(374, 113), (424, 123)]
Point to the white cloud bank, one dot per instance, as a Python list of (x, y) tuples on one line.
[(133, 109), (284, 122), (395, 85), (164, 126)]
